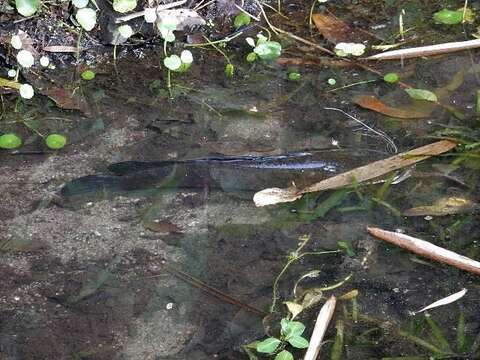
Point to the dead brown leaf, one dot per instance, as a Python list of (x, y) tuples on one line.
[(66, 99), (442, 207), (335, 30), (358, 175), (332, 28), (372, 103)]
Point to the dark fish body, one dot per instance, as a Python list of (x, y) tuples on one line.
[(242, 173)]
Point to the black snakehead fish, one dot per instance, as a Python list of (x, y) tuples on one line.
[(230, 173)]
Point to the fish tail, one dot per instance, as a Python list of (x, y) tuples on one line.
[(92, 184)]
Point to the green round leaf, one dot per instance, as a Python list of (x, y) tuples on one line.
[(10, 141), (229, 70), (331, 81), (186, 57), (390, 78), (25, 58), (294, 76), (291, 328), (251, 57), (16, 42), (27, 7), (298, 342), (125, 30), (26, 91), (87, 75), (284, 355), (345, 49), (173, 62), (420, 94), (268, 346), (167, 35), (241, 19), (79, 4), (448, 17), (87, 18), (268, 50), (123, 6), (55, 141)]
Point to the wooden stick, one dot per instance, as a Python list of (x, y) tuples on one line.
[(427, 250), (427, 50), (323, 320)]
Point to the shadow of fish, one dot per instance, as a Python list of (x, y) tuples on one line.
[(239, 173)]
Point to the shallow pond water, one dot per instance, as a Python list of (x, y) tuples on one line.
[(176, 271)]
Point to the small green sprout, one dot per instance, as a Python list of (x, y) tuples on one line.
[(290, 333), (179, 63), (264, 49)]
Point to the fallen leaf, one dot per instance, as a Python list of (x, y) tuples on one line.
[(442, 207), (294, 308), (421, 94), (358, 175), (273, 196), (445, 301), (65, 99), (372, 103), (332, 28), (382, 167), (336, 31), (9, 84)]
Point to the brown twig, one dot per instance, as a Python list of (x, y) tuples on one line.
[(211, 290), (427, 50), (427, 250)]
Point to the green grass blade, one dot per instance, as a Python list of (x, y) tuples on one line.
[(437, 335)]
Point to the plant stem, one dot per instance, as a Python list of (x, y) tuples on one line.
[(218, 49), (224, 40), (169, 83), (292, 258)]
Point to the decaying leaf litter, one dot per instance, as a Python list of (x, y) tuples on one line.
[(430, 100)]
